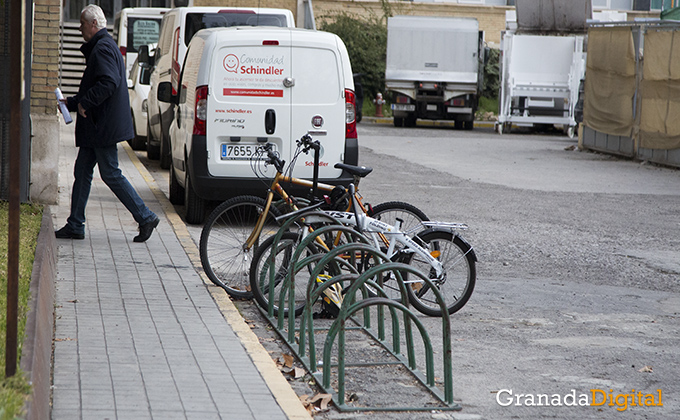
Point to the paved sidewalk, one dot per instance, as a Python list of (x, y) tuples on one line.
[(139, 333)]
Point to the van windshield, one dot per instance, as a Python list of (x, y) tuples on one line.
[(142, 31), (198, 21)]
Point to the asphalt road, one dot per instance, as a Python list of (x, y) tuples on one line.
[(577, 282)]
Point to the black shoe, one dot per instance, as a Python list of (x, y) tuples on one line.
[(67, 233), (146, 230)]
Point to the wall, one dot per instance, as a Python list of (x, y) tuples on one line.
[(45, 78), (491, 18)]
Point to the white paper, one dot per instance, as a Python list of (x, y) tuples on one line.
[(62, 107)]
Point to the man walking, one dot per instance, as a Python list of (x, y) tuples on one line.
[(103, 121)]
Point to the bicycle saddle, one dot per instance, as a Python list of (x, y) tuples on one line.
[(360, 171)]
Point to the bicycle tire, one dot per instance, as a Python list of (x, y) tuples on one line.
[(223, 236), (459, 265), (259, 272), (389, 211), (411, 217)]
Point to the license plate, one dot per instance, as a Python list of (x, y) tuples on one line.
[(241, 151), (403, 107), (431, 107)]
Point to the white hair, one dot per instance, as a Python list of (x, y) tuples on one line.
[(93, 12)]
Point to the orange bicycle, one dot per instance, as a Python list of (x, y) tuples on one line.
[(236, 227)]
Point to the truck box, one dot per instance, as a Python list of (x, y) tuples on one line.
[(434, 68)]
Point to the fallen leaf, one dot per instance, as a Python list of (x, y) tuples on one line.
[(65, 339), (288, 360), (647, 369), (299, 373), (322, 400)]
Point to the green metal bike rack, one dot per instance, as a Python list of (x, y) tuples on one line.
[(367, 284)]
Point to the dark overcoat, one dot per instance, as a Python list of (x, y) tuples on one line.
[(103, 94)]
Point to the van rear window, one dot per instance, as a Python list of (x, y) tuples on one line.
[(142, 31), (198, 21)]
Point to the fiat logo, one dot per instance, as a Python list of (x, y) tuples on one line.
[(317, 121)]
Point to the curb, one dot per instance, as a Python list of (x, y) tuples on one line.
[(36, 354)]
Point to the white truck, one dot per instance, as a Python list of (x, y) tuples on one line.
[(434, 69)]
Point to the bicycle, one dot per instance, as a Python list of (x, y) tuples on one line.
[(438, 251), (237, 226)]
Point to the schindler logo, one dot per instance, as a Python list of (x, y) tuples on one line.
[(596, 398)]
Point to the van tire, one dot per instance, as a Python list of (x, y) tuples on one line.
[(165, 151), (175, 191), (152, 152), (193, 204), (398, 121), (137, 142)]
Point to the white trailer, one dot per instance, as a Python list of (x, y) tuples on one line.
[(540, 80), (543, 63), (434, 69)]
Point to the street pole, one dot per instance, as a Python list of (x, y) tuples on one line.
[(16, 94)]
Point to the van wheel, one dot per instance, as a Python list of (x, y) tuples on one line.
[(137, 142), (152, 152), (398, 121), (194, 205), (165, 151), (469, 125), (176, 192)]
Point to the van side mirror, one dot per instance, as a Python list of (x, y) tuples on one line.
[(144, 56), (164, 93)]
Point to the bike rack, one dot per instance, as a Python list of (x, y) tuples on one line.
[(303, 344)]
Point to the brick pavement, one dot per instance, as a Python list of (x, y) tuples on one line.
[(139, 333)]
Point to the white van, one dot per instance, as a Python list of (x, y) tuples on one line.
[(178, 27), (134, 27), (244, 87)]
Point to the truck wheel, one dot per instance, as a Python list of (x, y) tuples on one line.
[(410, 120), (398, 121), (469, 125), (458, 125)]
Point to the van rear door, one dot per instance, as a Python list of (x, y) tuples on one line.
[(318, 100), (248, 104), (274, 85)]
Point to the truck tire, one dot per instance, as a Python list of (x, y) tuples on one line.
[(410, 120), (398, 121), (469, 125)]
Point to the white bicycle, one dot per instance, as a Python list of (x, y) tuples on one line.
[(438, 251)]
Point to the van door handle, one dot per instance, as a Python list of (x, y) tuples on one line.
[(288, 82), (270, 121), (178, 117)]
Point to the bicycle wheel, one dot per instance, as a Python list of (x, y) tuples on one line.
[(458, 281), (411, 218), (224, 234), (410, 215), (260, 272)]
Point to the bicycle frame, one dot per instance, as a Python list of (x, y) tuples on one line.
[(374, 227), (276, 187)]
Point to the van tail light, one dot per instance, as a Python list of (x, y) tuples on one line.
[(350, 115), (201, 110), (123, 50)]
